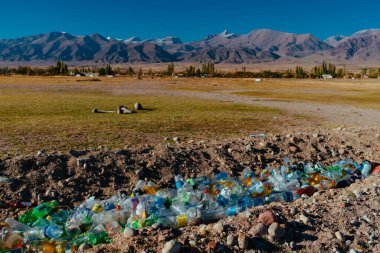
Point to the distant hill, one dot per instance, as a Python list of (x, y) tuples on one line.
[(258, 46)]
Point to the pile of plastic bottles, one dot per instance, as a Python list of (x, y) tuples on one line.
[(50, 228)]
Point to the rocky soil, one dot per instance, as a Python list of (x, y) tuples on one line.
[(336, 220)]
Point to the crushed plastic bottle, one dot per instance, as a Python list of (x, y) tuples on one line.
[(49, 228)]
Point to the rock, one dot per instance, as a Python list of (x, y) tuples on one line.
[(267, 218), (304, 219), (263, 144), (261, 159), (341, 151), (172, 246), (176, 139), (138, 106), (40, 153), (340, 236), (74, 153), (83, 247), (242, 241), (276, 230), (218, 228), (293, 149), (357, 193), (365, 217), (294, 140), (193, 243), (229, 150), (248, 148), (341, 204), (211, 246), (258, 230), (156, 226), (203, 230), (353, 251), (315, 135), (230, 239), (129, 232)]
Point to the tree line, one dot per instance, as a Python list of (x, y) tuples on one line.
[(205, 70)]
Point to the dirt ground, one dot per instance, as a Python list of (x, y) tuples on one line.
[(327, 132)]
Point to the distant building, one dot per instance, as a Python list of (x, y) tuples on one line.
[(326, 76)]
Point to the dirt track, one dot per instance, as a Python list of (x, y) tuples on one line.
[(337, 115)]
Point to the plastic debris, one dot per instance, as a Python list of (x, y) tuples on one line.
[(50, 228)]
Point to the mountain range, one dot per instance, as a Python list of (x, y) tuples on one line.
[(258, 46)]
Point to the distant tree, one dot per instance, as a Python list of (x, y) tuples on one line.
[(130, 71), (300, 73), (170, 69), (140, 74), (190, 71)]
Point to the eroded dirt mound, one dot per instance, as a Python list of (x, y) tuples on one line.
[(76, 175)]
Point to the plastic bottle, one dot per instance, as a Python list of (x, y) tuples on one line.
[(261, 189), (179, 182), (37, 212), (41, 247), (365, 168), (53, 231)]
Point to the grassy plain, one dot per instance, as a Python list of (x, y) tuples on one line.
[(360, 93), (59, 117), (55, 112)]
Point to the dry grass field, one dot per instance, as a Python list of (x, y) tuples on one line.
[(51, 116), (361, 93), (55, 112)]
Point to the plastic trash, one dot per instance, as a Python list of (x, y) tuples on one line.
[(49, 228)]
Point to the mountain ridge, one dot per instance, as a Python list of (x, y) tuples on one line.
[(257, 46)]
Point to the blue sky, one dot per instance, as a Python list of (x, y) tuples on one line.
[(189, 20)]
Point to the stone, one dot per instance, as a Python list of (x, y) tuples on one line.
[(276, 230), (293, 149), (267, 218), (129, 232), (341, 151), (341, 204), (340, 236), (242, 241), (176, 139), (83, 247), (138, 106), (218, 228), (258, 230), (248, 148), (357, 193), (211, 246), (353, 251), (230, 239), (304, 219), (263, 144), (203, 230), (172, 246), (315, 135)]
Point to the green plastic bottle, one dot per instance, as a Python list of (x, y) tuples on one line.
[(40, 211)]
